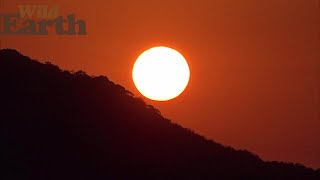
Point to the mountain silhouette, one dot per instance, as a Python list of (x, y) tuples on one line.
[(57, 124)]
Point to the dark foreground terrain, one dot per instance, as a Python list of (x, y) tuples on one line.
[(61, 125)]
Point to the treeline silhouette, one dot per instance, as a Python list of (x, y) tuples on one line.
[(61, 125)]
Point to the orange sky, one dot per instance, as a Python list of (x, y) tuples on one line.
[(255, 65)]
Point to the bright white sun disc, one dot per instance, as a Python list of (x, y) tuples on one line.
[(161, 73)]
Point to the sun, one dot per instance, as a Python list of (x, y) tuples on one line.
[(161, 73)]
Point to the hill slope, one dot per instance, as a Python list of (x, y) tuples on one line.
[(61, 125)]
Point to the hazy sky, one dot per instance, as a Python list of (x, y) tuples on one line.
[(255, 65)]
